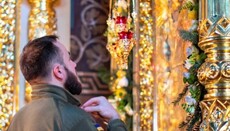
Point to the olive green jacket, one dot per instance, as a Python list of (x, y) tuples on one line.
[(54, 109)]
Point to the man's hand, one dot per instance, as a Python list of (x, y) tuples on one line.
[(101, 106)]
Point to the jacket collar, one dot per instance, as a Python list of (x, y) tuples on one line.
[(45, 90)]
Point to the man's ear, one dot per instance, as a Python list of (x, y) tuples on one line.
[(58, 71)]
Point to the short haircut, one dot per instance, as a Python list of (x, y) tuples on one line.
[(38, 56)]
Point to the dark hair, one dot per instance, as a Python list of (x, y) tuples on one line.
[(38, 56)]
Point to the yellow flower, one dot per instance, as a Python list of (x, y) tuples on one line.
[(120, 73), (120, 93)]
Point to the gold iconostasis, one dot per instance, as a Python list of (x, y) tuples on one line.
[(149, 66)]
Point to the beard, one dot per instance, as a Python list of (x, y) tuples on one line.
[(72, 83)]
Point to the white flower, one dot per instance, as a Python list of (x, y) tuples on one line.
[(188, 64), (186, 75), (123, 82), (192, 110), (192, 87), (190, 100)]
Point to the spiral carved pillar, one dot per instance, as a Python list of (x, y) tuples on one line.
[(214, 39)]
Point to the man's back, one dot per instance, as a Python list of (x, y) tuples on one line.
[(51, 110)]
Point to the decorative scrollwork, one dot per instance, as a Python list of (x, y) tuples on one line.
[(88, 43), (201, 73), (91, 39), (208, 72), (213, 71), (225, 69)]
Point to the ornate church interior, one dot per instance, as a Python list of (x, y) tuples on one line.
[(164, 65)]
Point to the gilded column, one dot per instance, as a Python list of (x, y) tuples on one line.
[(42, 18), (8, 60), (214, 39), (146, 76), (42, 21)]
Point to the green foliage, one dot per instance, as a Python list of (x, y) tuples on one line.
[(192, 78), (196, 118), (188, 108), (189, 6), (189, 36)]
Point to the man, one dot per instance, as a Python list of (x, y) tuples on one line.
[(46, 65)]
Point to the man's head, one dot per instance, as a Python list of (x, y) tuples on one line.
[(46, 61)]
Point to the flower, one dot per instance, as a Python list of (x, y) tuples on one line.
[(190, 100), (120, 73), (123, 82), (191, 109), (193, 56), (192, 87), (186, 75), (188, 64), (189, 51), (120, 93)]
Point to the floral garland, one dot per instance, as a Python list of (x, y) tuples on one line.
[(194, 91), (121, 98), (120, 84)]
